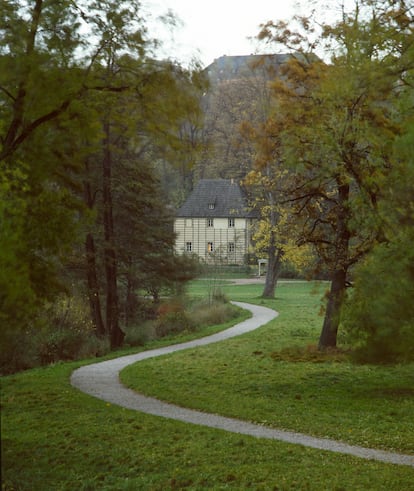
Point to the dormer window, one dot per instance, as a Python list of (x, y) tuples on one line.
[(211, 206)]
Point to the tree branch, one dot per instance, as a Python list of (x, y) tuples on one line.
[(28, 130), (9, 94)]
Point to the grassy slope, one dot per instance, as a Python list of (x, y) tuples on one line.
[(248, 378), (55, 438)]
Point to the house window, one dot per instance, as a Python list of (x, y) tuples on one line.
[(211, 206), (231, 222), (188, 246), (210, 222), (231, 247), (210, 247)]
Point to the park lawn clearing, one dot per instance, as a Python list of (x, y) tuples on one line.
[(57, 438), (275, 377)]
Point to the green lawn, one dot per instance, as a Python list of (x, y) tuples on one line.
[(56, 438), (253, 378)]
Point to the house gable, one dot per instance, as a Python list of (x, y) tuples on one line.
[(216, 198), (215, 222)]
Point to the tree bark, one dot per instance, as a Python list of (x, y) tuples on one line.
[(91, 269), (112, 308), (330, 326), (273, 268), (93, 286), (336, 294)]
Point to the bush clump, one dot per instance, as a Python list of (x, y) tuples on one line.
[(67, 332), (62, 331), (172, 323), (139, 334), (379, 314), (175, 316), (205, 314), (172, 319)]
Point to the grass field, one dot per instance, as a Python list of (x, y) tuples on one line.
[(56, 438)]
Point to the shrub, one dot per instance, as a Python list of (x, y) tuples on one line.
[(172, 323), (218, 296), (62, 331), (379, 314), (204, 314), (67, 332), (139, 334), (18, 351)]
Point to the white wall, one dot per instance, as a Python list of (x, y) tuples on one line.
[(195, 230)]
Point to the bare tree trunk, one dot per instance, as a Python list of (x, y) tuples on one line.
[(274, 253), (112, 309), (273, 269), (91, 270), (330, 326), (93, 286)]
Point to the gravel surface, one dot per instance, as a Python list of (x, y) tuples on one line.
[(101, 380)]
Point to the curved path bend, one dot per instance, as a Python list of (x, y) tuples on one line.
[(101, 380)]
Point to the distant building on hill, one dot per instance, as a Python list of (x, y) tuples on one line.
[(232, 68), (215, 223)]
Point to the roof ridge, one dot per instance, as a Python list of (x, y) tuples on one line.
[(216, 198)]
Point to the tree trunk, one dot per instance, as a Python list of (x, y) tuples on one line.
[(91, 270), (112, 309), (338, 283), (273, 269), (93, 287), (333, 310)]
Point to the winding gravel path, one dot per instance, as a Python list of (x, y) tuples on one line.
[(101, 380)]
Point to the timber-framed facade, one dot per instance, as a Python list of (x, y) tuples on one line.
[(215, 223)]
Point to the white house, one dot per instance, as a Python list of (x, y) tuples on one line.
[(215, 222)]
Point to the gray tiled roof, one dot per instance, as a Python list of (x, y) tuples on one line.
[(218, 198)]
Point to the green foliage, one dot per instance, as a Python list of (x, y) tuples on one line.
[(17, 297), (58, 92), (178, 316), (205, 314), (139, 334), (333, 130), (172, 322), (379, 315), (67, 332), (172, 318), (39, 155), (18, 350), (61, 331)]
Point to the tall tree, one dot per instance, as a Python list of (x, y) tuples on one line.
[(41, 81), (55, 58), (379, 312), (159, 97), (39, 152), (269, 183), (339, 123)]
